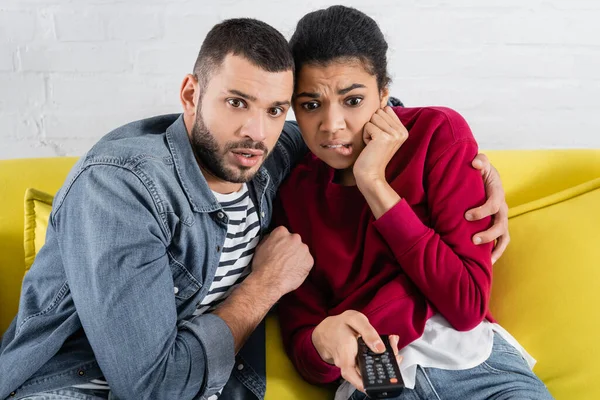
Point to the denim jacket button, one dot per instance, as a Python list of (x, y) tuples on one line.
[(262, 214), (220, 215), (81, 372), (240, 367), (13, 394), (176, 290)]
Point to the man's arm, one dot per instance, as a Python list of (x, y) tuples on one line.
[(495, 206), (280, 265)]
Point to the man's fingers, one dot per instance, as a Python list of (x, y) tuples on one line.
[(495, 232), (501, 245), (490, 207), (481, 162)]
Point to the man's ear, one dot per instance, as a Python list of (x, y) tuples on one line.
[(385, 96), (189, 95)]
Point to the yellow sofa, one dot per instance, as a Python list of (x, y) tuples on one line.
[(545, 288)]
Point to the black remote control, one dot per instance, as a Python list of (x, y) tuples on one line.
[(380, 373)]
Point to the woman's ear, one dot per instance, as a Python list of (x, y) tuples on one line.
[(385, 96)]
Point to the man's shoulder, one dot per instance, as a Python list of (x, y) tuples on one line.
[(133, 142), (138, 149)]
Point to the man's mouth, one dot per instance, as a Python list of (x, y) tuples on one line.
[(249, 153), (247, 157)]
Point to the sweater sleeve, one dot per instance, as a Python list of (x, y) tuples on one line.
[(299, 313), (454, 274)]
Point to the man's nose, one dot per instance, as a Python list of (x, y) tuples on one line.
[(254, 127)]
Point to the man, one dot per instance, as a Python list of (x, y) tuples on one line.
[(152, 278)]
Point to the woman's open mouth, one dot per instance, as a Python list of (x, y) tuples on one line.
[(344, 149)]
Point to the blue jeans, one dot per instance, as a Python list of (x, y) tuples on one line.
[(69, 394), (504, 375)]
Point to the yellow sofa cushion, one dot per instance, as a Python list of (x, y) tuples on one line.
[(528, 175), (283, 381), (546, 285), (45, 174), (38, 206)]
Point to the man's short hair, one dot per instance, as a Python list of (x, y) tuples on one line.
[(256, 41)]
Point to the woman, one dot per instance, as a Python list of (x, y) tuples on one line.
[(380, 202)]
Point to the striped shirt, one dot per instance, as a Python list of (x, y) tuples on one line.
[(234, 264), (241, 240)]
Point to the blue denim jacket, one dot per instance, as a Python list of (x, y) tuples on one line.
[(132, 246)]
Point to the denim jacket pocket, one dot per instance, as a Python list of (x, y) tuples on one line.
[(185, 284)]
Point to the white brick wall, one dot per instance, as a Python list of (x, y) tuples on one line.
[(525, 73)]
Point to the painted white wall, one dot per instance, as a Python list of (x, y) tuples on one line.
[(524, 73)]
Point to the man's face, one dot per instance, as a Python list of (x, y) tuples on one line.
[(239, 118)]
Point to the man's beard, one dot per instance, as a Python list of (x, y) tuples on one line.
[(212, 158)]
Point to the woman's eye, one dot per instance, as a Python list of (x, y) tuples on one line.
[(236, 103), (275, 111), (311, 105), (354, 101)]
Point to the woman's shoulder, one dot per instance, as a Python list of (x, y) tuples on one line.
[(442, 123)]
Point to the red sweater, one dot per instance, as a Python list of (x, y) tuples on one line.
[(414, 261)]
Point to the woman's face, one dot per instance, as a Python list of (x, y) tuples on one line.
[(332, 105)]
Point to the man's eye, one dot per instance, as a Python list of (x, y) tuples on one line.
[(354, 101), (236, 103), (275, 111), (311, 105)]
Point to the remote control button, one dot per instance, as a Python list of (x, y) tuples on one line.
[(393, 380)]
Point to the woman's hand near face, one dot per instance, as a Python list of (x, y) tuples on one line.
[(383, 136)]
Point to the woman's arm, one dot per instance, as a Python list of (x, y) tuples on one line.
[(453, 273)]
